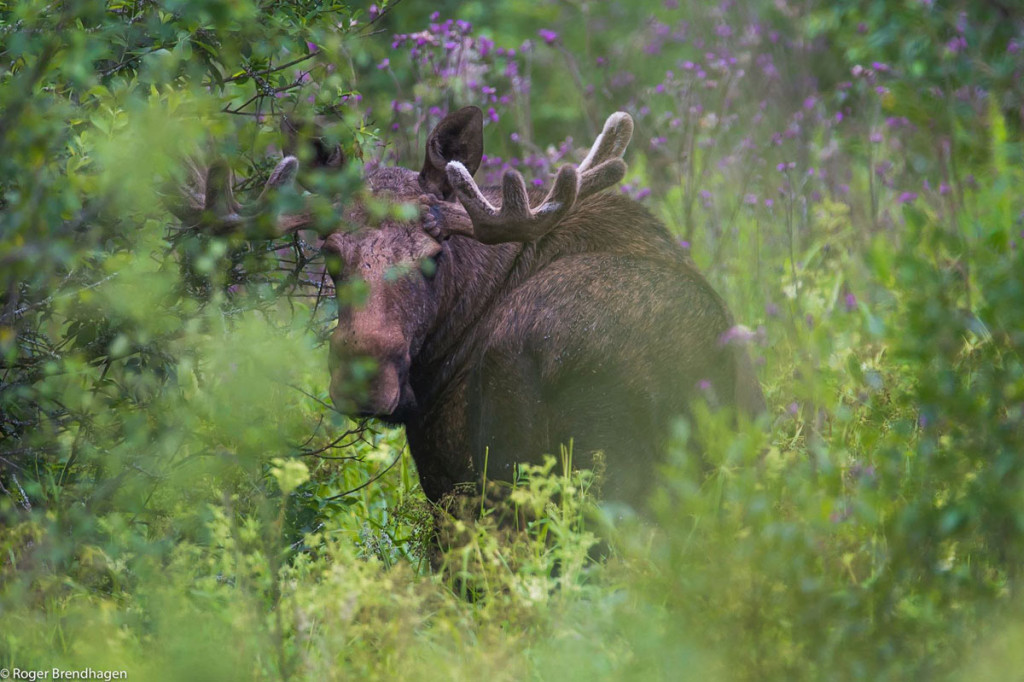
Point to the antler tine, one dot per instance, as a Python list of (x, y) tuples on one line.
[(612, 142), (210, 202), (283, 175), (515, 221), (603, 166), (221, 212), (187, 201)]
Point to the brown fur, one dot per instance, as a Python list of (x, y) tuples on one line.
[(599, 332)]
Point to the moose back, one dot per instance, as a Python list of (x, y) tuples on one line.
[(544, 319)]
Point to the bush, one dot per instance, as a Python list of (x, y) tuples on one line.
[(177, 500)]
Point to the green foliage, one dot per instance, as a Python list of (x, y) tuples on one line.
[(177, 500)]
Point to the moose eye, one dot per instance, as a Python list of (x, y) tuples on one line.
[(428, 266), (334, 265)]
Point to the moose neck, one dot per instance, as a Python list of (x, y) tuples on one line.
[(470, 275)]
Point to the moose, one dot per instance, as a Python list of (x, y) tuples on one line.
[(544, 319)]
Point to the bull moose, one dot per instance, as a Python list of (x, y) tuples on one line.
[(545, 318)]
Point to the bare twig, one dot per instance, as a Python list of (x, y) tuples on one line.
[(373, 479), (267, 72), (55, 297)]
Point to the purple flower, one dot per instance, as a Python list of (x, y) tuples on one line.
[(864, 472), (385, 63), (548, 35), (794, 408), (851, 303), (704, 384), (737, 334), (838, 516), (907, 197), (312, 47), (653, 48)]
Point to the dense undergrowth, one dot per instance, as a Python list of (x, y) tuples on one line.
[(177, 500)]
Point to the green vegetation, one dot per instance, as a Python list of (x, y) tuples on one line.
[(177, 501)]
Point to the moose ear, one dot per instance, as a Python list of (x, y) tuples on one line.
[(306, 140), (458, 137)]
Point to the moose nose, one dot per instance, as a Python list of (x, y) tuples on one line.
[(355, 390)]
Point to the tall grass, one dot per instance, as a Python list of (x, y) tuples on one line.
[(178, 502)]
